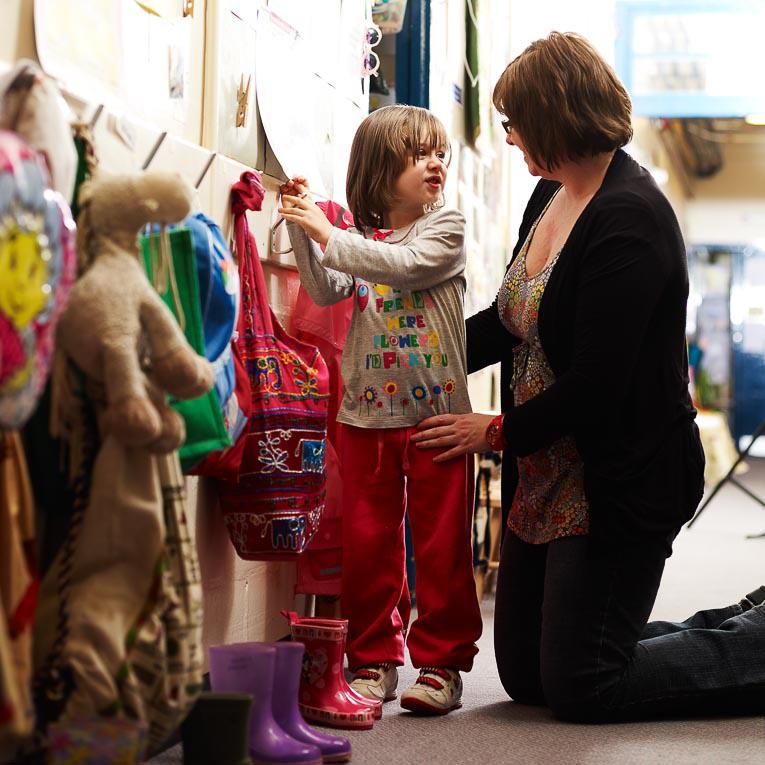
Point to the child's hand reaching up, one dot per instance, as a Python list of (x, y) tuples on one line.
[(294, 187), (299, 207)]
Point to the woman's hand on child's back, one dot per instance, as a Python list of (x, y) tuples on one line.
[(299, 207)]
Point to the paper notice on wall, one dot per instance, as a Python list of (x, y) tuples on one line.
[(80, 43), (318, 24), (155, 75), (353, 26), (135, 58), (233, 56), (348, 117), (284, 96), (324, 125)]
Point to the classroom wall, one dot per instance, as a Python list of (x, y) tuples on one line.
[(729, 208), (479, 181), (242, 599)]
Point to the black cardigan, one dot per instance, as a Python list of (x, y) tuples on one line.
[(612, 325)]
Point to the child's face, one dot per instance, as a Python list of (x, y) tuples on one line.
[(422, 181)]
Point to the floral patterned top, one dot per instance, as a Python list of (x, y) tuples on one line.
[(549, 502)]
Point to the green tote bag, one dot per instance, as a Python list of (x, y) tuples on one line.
[(175, 278)]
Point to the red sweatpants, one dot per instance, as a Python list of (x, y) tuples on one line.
[(385, 475)]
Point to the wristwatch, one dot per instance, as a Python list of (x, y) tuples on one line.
[(495, 436)]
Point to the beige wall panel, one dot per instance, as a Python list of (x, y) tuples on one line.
[(729, 208), (16, 31), (188, 160), (229, 64), (242, 599)]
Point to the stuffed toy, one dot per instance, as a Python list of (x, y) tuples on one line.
[(32, 106), (116, 328), (118, 629)]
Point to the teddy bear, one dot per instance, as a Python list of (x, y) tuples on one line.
[(115, 328)]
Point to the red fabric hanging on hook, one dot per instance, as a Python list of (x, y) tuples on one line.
[(273, 510)]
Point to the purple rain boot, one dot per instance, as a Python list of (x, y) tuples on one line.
[(289, 665), (249, 668)]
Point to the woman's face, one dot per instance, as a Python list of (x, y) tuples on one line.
[(513, 139)]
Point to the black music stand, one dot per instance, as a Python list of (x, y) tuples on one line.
[(729, 477)]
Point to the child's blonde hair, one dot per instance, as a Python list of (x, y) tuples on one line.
[(382, 146)]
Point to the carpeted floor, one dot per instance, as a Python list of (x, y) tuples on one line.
[(713, 564)]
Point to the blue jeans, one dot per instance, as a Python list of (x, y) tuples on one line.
[(572, 632)]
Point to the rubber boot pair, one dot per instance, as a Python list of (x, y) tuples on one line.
[(271, 673), (325, 696)]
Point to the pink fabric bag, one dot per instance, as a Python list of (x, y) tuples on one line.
[(274, 509)]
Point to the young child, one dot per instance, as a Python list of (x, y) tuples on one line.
[(404, 360)]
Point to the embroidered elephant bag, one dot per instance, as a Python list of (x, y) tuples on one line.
[(273, 510)]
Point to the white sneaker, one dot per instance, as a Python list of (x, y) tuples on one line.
[(376, 682), (436, 692)]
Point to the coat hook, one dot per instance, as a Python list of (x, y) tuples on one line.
[(96, 116), (281, 220), (154, 150), (272, 238), (205, 170), (273, 235)]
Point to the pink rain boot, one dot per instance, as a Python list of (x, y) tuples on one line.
[(325, 696), (377, 706), (289, 663), (249, 668)]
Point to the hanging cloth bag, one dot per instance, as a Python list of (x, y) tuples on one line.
[(174, 276), (225, 464), (274, 509), (218, 279), (118, 629)]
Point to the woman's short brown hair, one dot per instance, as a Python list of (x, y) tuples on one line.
[(564, 100), (381, 148)]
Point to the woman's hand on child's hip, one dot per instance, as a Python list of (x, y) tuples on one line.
[(457, 434)]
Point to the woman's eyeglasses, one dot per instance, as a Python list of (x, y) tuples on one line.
[(506, 126)]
